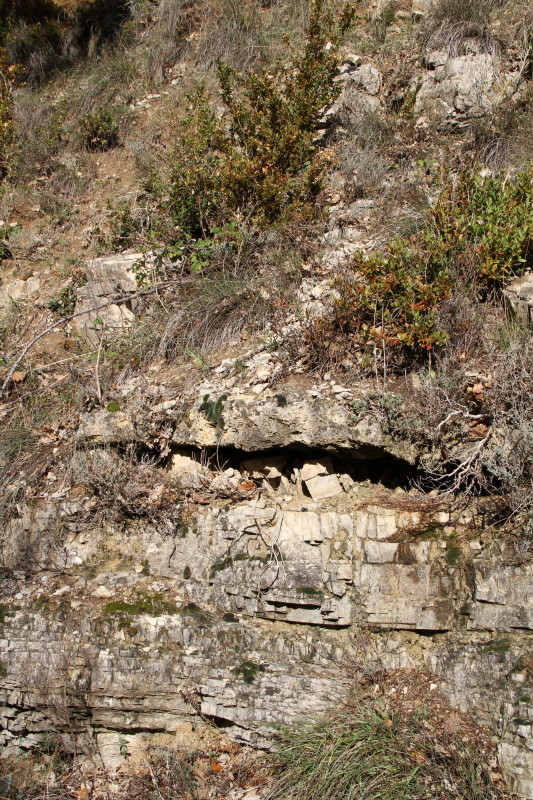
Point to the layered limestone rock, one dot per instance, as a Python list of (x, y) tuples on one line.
[(249, 422), (257, 612), (292, 555)]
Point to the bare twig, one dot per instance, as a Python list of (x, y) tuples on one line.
[(457, 412), (64, 320), (63, 361), (465, 472), (97, 367), (13, 403)]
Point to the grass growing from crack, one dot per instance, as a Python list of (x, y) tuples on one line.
[(155, 606), (370, 754)]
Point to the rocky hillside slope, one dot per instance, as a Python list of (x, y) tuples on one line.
[(266, 424)]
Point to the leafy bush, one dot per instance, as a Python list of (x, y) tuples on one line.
[(265, 166), (483, 226), (478, 234)]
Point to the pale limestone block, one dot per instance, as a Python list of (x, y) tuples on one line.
[(314, 468), (323, 486)]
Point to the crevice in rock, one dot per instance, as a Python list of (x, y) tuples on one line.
[(312, 470)]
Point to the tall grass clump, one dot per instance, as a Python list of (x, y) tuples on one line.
[(45, 35), (371, 754), (6, 121)]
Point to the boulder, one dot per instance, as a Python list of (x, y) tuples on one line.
[(19, 290), (108, 278), (106, 427), (312, 469), (368, 79), (323, 486), (458, 88)]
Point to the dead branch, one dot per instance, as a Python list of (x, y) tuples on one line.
[(8, 406), (451, 482), (115, 301)]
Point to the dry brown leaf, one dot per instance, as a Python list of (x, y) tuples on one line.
[(478, 431), (452, 724)]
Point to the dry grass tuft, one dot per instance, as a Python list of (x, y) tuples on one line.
[(463, 11), (461, 38), (382, 748)]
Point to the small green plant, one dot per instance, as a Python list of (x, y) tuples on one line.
[(202, 251), (248, 671), (5, 233), (123, 748), (310, 591), (154, 605), (193, 610), (499, 646), (453, 554), (213, 410), (99, 131), (225, 563), (197, 358), (186, 573), (113, 407), (63, 303), (125, 226), (389, 408)]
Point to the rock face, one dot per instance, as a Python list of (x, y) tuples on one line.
[(17, 290), (290, 553), (519, 293), (294, 419), (462, 81), (254, 612)]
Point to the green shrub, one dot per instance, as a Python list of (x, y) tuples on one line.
[(265, 166), (248, 670), (479, 233)]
